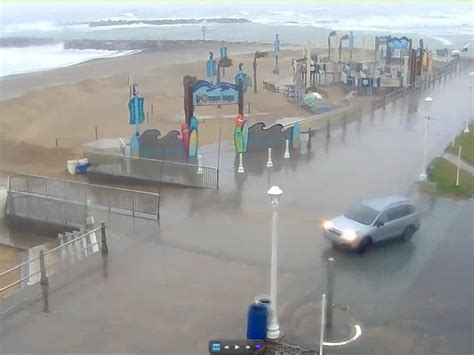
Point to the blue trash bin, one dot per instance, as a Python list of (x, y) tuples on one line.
[(257, 316), (82, 169)]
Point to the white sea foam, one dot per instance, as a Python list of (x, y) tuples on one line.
[(88, 28), (38, 58), (436, 22), (284, 13)]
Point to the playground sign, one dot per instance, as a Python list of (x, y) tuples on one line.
[(211, 68), (135, 107), (206, 94), (276, 51)]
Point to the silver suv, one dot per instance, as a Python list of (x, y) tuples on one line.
[(373, 221)]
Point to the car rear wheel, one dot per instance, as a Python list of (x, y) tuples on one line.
[(408, 233), (363, 245)]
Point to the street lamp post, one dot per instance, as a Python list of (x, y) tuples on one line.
[(204, 29), (343, 38), (466, 128), (422, 176), (331, 34), (276, 51), (273, 329), (257, 55)]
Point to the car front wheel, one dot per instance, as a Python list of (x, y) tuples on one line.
[(408, 233)]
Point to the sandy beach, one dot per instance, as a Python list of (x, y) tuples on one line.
[(65, 105)]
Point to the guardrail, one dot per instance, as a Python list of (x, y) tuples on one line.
[(68, 203), (154, 170), (79, 247)]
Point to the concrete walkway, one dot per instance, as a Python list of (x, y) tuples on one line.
[(453, 159)]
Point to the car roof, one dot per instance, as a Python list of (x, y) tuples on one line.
[(384, 202)]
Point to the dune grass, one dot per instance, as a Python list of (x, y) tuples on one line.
[(466, 140), (444, 177)]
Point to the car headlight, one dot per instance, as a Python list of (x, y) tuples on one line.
[(327, 225), (349, 235)]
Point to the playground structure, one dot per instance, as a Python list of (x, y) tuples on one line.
[(396, 64), (310, 70), (390, 49), (309, 75), (173, 157)]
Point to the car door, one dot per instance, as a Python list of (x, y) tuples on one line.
[(387, 223), (381, 227), (406, 218), (396, 220)]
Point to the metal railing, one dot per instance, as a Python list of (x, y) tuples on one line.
[(78, 247), (321, 117), (154, 170), (396, 94), (69, 203)]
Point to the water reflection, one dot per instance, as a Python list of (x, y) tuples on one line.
[(326, 145), (255, 163)]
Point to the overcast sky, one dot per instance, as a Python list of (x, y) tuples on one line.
[(76, 12)]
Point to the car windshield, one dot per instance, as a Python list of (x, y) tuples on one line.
[(362, 214)]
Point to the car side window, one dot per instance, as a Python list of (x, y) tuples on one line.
[(396, 213), (382, 218), (410, 209)]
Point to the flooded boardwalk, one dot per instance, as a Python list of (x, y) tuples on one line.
[(173, 288)]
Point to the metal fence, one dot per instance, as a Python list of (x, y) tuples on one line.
[(318, 122), (393, 96), (48, 263), (449, 69), (328, 78), (69, 203), (154, 170)]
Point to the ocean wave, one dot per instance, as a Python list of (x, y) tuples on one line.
[(434, 23), (296, 24), (40, 58), (284, 13), (87, 28), (43, 26), (170, 18)]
